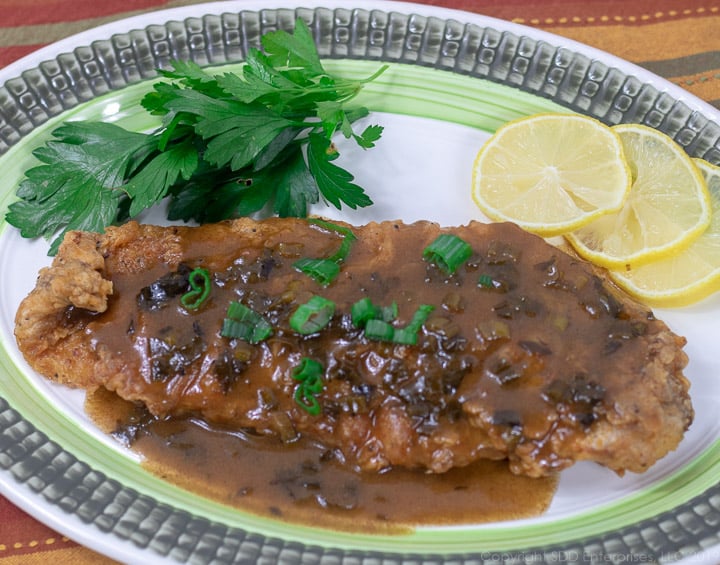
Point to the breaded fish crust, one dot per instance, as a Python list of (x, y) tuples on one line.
[(527, 355)]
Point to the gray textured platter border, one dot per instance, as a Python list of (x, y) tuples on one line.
[(537, 66)]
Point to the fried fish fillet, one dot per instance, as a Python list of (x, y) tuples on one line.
[(527, 355)]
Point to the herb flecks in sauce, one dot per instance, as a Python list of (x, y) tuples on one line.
[(304, 483), (487, 378)]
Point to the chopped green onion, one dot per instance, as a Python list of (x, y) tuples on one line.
[(379, 329), (409, 334), (312, 316), (344, 249), (448, 252), (384, 331), (405, 336), (309, 403), (364, 310), (486, 281), (348, 238), (200, 286), (323, 271), (244, 323), (420, 317), (389, 313), (345, 246), (309, 372)]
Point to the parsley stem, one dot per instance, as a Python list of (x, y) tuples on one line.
[(375, 75)]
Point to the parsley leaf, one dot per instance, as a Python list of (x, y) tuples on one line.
[(287, 188), (235, 133), (335, 183), (207, 200), (296, 188), (152, 183), (191, 74), (296, 52), (333, 116), (260, 82), (229, 145), (76, 187), (368, 137)]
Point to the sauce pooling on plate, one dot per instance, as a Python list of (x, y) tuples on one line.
[(305, 484)]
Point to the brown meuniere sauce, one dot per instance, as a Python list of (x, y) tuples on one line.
[(224, 420)]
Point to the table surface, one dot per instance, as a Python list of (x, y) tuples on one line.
[(676, 39)]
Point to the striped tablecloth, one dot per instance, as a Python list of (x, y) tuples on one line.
[(676, 39)]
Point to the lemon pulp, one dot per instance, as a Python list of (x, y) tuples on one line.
[(551, 173)]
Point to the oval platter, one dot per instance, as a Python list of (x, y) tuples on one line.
[(452, 79)]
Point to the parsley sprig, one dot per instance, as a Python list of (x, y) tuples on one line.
[(229, 145)]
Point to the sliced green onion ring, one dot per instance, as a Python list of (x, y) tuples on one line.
[(244, 323), (384, 331), (405, 336), (364, 310), (448, 252), (325, 270), (309, 372), (200, 285), (348, 238), (486, 281), (379, 330), (307, 402), (312, 316), (420, 317)]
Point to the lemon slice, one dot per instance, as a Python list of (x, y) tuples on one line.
[(667, 208), (685, 277), (551, 173)]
